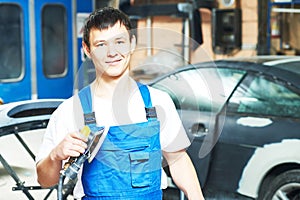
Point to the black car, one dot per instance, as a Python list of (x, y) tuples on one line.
[(243, 118)]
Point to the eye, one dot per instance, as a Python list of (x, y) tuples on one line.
[(120, 41), (100, 44)]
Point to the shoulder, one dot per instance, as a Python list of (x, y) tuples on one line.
[(163, 103), (68, 108), (172, 133), (159, 96), (67, 117), (66, 105)]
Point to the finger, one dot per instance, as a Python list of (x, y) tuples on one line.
[(78, 135), (74, 154), (80, 143), (76, 150)]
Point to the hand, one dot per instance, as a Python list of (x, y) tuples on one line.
[(71, 146)]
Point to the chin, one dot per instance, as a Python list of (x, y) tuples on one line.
[(115, 74)]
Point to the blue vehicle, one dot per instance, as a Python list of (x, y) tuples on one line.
[(40, 47)]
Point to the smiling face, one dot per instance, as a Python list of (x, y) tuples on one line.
[(110, 49)]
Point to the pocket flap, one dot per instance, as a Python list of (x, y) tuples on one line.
[(139, 156)]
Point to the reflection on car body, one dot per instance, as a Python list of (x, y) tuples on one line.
[(243, 118)]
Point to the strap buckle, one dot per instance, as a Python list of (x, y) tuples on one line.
[(151, 113), (89, 118)]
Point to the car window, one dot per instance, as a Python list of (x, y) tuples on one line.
[(204, 89), (54, 32), (266, 96), (11, 40)]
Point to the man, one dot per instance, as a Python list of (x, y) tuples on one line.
[(128, 163)]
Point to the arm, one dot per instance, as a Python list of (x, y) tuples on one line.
[(48, 169), (184, 174)]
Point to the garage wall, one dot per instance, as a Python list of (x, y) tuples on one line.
[(249, 30), (204, 52)]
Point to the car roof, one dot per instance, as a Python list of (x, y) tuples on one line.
[(290, 63), (262, 59), (284, 67)]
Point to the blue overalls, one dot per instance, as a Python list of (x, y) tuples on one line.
[(128, 164)]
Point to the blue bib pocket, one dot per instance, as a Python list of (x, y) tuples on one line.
[(140, 169)]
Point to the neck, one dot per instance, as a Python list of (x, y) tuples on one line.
[(107, 88)]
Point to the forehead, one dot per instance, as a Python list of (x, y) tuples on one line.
[(116, 31)]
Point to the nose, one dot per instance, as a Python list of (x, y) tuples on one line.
[(111, 50)]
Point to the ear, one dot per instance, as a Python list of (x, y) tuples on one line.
[(86, 49), (132, 44)]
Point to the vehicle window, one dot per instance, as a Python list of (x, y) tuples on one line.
[(204, 89), (11, 51), (267, 97), (54, 34)]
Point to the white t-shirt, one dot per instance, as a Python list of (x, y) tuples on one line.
[(68, 117)]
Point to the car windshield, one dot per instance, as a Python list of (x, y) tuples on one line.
[(200, 89)]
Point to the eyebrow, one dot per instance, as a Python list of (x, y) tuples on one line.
[(117, 38), (122, 37)]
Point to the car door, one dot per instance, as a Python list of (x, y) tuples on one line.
[(259, 113), (199, 94), (15, 67), (54, 48)]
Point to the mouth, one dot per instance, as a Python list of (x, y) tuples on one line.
[(113, 62)]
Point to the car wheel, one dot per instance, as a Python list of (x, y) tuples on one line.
[(283, 186)]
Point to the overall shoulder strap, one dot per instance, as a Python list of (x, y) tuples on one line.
[(86, 99), (145, 94), (87, 105), (150, 110)]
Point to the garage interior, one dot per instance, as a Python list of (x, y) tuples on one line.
[(261, 27)]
